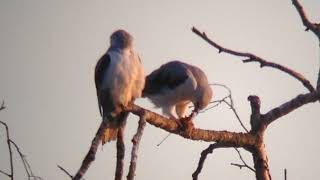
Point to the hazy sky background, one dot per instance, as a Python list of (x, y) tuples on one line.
[(49, 50)]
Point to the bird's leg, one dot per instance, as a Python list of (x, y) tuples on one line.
[(187, 121)]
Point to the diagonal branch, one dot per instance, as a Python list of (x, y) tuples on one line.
[(253, 58), (135, 147), (315, 28), (243, 161), (65, 171), (289, 106), (91, 153), (204, 155)]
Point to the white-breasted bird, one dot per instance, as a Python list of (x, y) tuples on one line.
[(119, 79), (175, 85)]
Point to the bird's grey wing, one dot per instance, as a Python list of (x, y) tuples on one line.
[(101, 68), (168, 76)]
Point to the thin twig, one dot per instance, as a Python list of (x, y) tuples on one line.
[(22, 158), (135, 147), (11, 174), (5, 173), (253, 58), (229, 104), (285, 174), (244, 163), (65, 171), (2, 105)]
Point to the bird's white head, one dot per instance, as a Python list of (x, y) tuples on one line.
[(204, 99), (120, 39)]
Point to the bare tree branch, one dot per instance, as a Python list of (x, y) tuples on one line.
[(245, 165), (238, 139), (289, 106), (204, 155), (2, 106), (65, 171), (91, 153), (11, 174), (315, 28), (120, 154), (135, 147), (254, 58)]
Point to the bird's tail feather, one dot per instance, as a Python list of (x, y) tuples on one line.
[(110, 134)]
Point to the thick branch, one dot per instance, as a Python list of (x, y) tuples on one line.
[(260, 160), (204, 155), (237, 139), (135, 147), (91, 154), (254, 58), (315, 28)]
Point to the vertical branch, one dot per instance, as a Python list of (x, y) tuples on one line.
[(285, 174), (120, 154), (91, 154), (9, 147), (135, 147), (260, 160)]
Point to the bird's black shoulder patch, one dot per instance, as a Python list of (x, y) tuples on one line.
[(169, 75), (101, 67)]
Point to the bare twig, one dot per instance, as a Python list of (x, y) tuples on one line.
[(243, 161), (290, 106), (65, 171), (204, 155), (22, 158), (135, 147), (11, 174), (2, 106), (91, 153), (229, 104), (253, 58), (285, 174), (120, 154), (315, 28)]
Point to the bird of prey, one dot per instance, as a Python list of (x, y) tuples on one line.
[(119, 79), (175, 85)]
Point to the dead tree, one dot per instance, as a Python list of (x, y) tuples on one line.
[(252, 140)]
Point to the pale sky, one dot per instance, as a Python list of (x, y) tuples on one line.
[(49, 50)]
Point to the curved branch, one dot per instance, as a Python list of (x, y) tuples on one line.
[(315, 28), (204, 155), (254, 58)]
